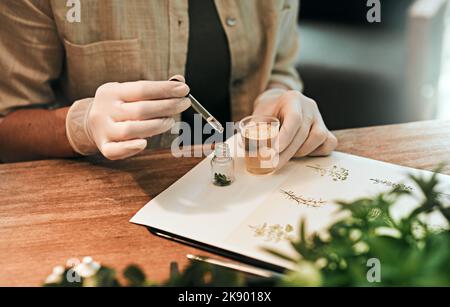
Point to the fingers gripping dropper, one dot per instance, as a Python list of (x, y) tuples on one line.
[(197, 106)]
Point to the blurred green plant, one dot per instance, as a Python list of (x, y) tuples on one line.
[(410, 252), (197, 274)]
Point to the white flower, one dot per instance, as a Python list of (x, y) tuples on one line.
[(58, 270), (321, 263), (325, 236), (361, 247), (355, 235), (53, 279), (388, 232), (56, 276), (87, 268)]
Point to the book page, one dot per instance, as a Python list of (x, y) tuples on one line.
[(259, 212)]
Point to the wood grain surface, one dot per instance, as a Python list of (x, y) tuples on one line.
[(54, 210)]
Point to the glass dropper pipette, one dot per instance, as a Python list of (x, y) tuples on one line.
[(200, 109), (197, 106)]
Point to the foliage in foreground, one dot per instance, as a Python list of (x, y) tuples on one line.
[(411, 253)]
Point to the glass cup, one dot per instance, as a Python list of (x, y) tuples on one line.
[(261, 143)]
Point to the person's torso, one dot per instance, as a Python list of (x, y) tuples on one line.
[(208, 67), (118, 41)]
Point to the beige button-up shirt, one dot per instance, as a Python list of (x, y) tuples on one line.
[(48, 59)]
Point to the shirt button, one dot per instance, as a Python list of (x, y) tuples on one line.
[(231, 22)]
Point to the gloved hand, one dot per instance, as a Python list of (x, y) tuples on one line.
[(122, 115), (303, 131)]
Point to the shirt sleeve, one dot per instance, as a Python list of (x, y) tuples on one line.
[(284, 70), (31, 54)]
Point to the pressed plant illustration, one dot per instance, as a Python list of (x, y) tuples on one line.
[(399, 186), (272, 233), (335, 172), (403, 187), (301, 200)]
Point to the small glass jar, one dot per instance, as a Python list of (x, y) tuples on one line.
[(222, 166)]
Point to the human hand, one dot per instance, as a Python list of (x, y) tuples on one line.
[(123, 115), (303, 131)]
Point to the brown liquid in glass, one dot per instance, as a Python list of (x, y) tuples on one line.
[(260, 143)]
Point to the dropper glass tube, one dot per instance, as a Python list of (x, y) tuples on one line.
[(197, 106)]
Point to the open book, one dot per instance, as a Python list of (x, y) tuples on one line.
[(257, 212)]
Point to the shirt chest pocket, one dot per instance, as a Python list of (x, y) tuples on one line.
[(89, 66)]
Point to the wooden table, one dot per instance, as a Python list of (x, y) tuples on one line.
[(54, 210)]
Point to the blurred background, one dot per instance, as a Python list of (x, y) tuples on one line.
[(365, 74)]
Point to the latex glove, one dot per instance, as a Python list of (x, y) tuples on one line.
[(122, 116), (303, 131)]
